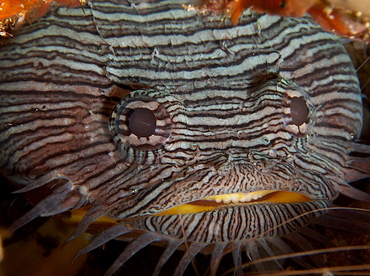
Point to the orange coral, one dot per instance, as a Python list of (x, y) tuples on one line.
[(12, 8), (15, 13), (348, 20), (333, 18), (340, 21), (337, 19), (284, 8)]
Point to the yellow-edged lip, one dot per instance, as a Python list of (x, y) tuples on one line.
[(212, 202), (208, 204)]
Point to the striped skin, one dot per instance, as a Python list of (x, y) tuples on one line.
[(222, 97)]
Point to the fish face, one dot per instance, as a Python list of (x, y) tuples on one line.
[(171, 122), (208, 156)]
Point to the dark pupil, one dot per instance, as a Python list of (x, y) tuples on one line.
[(298, 111), (142, 122)]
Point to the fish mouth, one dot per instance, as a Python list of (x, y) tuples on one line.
[(227, 200), (212, 219)]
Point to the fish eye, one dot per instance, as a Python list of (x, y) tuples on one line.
[(142, 122), (299, 111)]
